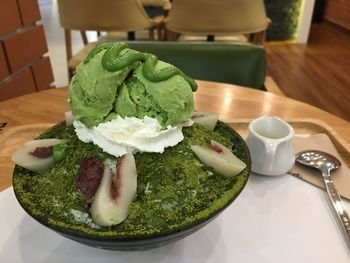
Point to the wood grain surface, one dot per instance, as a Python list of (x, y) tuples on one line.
[(230, 101), (317, 73)]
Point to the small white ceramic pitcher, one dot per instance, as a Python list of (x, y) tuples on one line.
[(269, 143)]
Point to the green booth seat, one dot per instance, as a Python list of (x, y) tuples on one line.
[(240, 64)]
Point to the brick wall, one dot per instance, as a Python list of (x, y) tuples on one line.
[(338, 12), (24, 68)]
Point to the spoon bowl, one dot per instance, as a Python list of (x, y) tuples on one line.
[(318, 159)]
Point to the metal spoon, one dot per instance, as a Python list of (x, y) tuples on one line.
[(325, 163)]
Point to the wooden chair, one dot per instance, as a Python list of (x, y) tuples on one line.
[(222, 17), (105, 15)]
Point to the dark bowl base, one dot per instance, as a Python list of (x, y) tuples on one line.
[(136, 245)]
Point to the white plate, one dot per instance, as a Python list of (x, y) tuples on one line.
[(278, 219)]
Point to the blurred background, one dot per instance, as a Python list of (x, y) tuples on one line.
[(305, 41)]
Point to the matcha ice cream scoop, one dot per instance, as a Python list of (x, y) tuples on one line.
[(116, 80)]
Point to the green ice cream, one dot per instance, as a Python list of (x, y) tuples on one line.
[(115, 80)]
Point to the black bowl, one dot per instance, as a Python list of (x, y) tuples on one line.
[(134, 242)]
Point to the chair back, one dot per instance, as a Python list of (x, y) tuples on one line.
[(103, 15), (153, 2), (243, 65), (212, 17)]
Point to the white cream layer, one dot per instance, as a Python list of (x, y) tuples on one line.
[(122, 135)]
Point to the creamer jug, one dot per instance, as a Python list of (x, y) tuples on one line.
[(269, 143)]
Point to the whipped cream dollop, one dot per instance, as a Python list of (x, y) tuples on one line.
[(130, 134)]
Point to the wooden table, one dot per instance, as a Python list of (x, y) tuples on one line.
[(230, 101), (252, 225)]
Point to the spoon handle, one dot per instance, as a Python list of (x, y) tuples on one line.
[(337, 203)]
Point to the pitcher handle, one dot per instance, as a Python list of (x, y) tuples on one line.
[(270, 155)]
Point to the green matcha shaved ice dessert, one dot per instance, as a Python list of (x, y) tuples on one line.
[(137, 167)]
